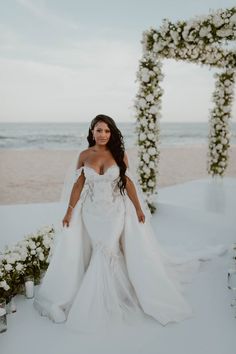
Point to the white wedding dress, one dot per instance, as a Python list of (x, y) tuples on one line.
[(108, 268)]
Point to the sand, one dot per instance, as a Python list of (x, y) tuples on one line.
[(36, 176)]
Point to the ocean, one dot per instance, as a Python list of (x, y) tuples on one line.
[(72, 136)]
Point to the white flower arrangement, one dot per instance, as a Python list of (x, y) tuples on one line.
[(192, 41), (30, 256), (219, 135)]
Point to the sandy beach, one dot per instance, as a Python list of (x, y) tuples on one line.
[(36, 176)]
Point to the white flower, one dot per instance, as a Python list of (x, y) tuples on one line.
[(224, 141), (19, 267), (156, 69), (151, 136), (175, 36), (4, 285), (155, 36), (33, 252), (153, 109), (219, 146), (12, 258), (142, 103), (151, 125), (32, 245), (226, 109), (143, 122), (224, 32), (145, 74), (204, 31), (46, 242), (146, 170), (8, 267), (227, 82), (232, 19), (152, 151), (151, 183), (150, 98), (151, 164), (217, 21), (142, 136), (41, 257), (146, 157), (157, 47)]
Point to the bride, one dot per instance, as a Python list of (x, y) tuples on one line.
[(107, 266)]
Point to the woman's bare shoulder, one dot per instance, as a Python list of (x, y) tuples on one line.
[(85, 152), (83, 157)]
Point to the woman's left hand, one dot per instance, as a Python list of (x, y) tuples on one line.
[(140, 215)]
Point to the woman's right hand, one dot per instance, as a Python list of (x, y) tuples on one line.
[(67, 218)]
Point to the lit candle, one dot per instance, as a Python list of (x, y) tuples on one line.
[(2, 312), (29, 289), (3, 320), (12, 305)]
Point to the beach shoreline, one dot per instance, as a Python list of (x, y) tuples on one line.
[(37, 176)]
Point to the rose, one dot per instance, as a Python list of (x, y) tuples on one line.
[(151, 183), (151, 136), (150, 98), (4, 285), (151, 151), (8, 267), (142, 136), (19, 267)]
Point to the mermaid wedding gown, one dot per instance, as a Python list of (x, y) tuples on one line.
[(108, 268)]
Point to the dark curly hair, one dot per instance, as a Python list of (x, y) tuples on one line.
[(115, 145)]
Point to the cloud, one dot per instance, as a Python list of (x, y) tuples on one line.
[(81, 78), (9, 38), (41, 12), (100, 79)]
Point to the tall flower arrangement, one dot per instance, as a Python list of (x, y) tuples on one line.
[(195, 41), (148, 113), (219, 135)]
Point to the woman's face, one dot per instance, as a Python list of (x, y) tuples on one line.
[(101, 133)]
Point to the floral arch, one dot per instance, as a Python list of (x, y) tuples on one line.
[(199, 41)]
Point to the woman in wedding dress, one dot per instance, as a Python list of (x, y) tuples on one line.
[(107, 266)]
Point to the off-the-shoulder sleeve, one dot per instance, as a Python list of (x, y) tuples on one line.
[(78, 172)]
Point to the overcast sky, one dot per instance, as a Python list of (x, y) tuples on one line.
[(68, 60)]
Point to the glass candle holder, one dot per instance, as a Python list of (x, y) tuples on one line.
[(29, 286), (3, 316), (231, 280), (11, 306)]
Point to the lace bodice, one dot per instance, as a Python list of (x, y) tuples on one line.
[(100, 187)]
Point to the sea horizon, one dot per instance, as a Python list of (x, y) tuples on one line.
[(72, 135)]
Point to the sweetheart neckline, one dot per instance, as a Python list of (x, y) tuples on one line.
[(91, 168)]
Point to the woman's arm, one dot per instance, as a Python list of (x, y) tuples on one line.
[(75, 192), (132, 194)]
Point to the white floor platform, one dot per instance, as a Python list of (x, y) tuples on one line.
[(192, 216)]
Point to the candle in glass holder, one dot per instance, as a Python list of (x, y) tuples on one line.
[(12, 305), (3, 316), (29, 287)]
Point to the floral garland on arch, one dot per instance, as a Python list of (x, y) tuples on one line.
[(219, 135), (193, 41)]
